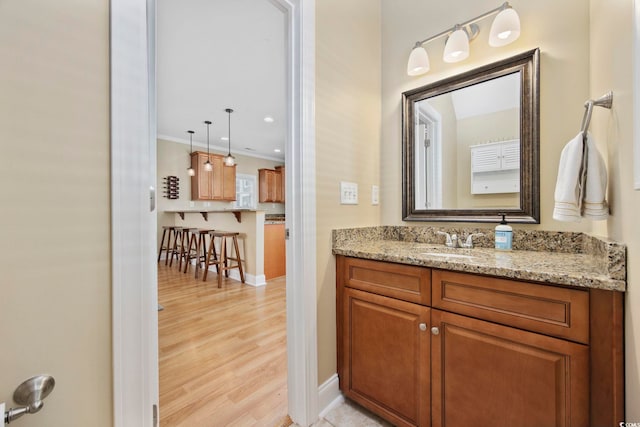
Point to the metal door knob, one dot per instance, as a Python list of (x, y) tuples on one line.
[(435, 331)]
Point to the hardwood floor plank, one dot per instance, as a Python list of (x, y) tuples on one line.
[(222, 352)]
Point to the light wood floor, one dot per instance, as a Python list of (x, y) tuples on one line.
[(222, 352)]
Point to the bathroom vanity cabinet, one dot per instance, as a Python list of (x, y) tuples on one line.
[(432, 347)]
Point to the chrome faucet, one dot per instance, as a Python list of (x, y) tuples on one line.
[(453, 241)]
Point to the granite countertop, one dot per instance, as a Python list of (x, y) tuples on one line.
[(574, 259)]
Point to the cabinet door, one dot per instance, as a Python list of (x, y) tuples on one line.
[(229, 183), (283, 185), (485, 374), (275, 253), (511, 155), (200, 182), (265, 184), (385, 351), (485, 158), (277, 187), (217, 176)]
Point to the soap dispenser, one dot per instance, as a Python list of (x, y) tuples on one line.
[(504, 235)]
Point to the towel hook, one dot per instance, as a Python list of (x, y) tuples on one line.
[(605, 101)]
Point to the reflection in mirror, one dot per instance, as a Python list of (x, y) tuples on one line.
[(475, 132), (471, 145)]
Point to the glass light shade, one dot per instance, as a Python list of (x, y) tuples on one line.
[(418, 62), (229, 160), (208, 166), (457, 47), (191, 172), (505, 28)]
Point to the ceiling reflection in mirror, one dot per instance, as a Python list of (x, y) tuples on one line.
[(471, 145)]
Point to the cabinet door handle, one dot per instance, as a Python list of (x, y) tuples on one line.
[(423, 326), (435, 331)]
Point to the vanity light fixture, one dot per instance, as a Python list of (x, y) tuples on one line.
[(191, 171), (229, 160), (504, 30), (207, 165)]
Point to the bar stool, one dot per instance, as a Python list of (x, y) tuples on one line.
[(197, 249), (184, 250), (222, 262), (176, 249), (168, 231)]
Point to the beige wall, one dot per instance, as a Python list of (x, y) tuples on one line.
[(55, 302), (347, 140), (612, 69), (498, 126)]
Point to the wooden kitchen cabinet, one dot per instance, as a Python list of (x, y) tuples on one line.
[(275, 253), (271, 185), (217, 184), (497, 352)]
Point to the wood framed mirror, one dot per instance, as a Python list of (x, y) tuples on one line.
[(470, 145)]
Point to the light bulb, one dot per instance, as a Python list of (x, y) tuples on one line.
[(208, 166), (229, 160), (191, 172)]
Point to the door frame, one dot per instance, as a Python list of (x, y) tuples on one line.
[(134, 239)]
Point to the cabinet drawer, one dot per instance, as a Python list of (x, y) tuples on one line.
[(550, 310), (405, 282)]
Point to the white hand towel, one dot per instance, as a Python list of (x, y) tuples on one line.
[(568, 194), (594, 202)]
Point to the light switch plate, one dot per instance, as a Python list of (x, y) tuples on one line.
[(375, 195), (348, 193)]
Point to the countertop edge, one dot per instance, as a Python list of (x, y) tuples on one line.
[(572, 280)]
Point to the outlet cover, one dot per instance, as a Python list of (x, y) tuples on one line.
[(375, 195), (348, 193)]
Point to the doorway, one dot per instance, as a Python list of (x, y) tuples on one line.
[(212, 38), (133, 223)]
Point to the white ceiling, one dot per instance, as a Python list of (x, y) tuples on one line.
[(499, 94), (217, 54)]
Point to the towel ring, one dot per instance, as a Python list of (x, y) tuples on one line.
[(605, 101)]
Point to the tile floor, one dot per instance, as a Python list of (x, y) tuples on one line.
[(348, 414)]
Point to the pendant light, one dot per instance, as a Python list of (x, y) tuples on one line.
[(207, 165), (229, 160), (191, 171)]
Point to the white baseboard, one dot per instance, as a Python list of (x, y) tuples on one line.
[(249, 279), (329, 395)]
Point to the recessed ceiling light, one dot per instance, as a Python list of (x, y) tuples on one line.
[(224, 138), (277, 150), (268, 119)]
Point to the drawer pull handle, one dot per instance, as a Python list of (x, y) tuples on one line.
[(435, 331), (423, 326)]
